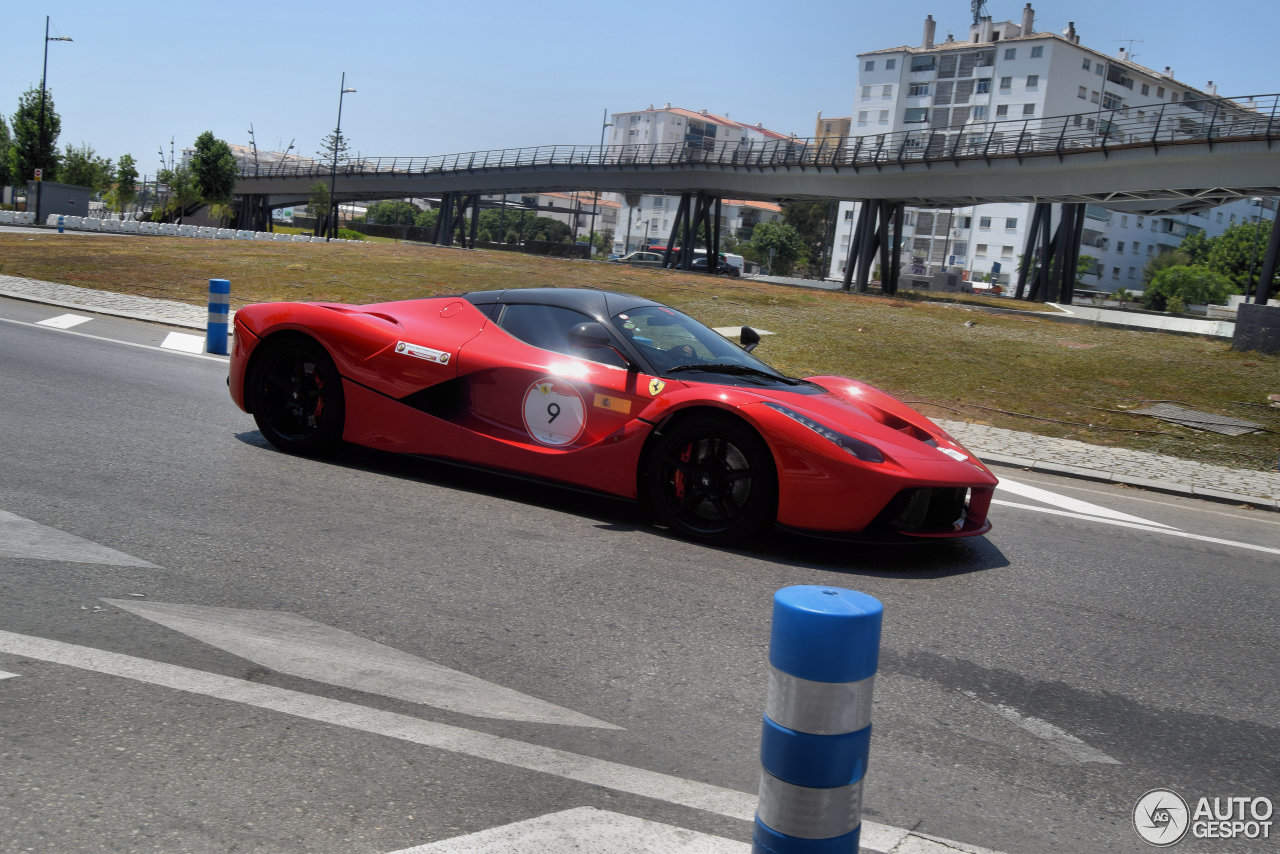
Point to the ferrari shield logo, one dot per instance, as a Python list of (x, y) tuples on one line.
[(656, 387)]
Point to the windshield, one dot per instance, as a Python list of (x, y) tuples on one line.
[(672, 341)]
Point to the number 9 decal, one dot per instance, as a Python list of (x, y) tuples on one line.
[(554, 412)]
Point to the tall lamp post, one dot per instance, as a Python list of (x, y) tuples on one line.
[(591, 241), (44, 72), (332, 230), (1253, 250)]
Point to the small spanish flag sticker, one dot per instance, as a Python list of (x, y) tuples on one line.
[(613, 404), (656, 387)]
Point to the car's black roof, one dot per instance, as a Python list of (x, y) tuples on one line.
[(601, 305)]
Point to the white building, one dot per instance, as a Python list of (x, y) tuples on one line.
[(646, 219), (1007, 71)]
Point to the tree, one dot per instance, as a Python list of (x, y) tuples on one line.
[(774, 245), (1167, 258), (30, 150), (397, 212), (84, 168), (183, 193), (811, 220), (214, 169), (1086, 265), (426, 219), (125, 190), (548, 230), (1187, 284), (1196, 247), (5, 142), (318, 202), (1237, 252)]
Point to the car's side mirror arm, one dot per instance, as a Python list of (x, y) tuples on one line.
[(748, 338)]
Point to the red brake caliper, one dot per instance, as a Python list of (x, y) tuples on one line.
[(685, 456)]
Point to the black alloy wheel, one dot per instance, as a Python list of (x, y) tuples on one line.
[(712, 478), (296, 396)]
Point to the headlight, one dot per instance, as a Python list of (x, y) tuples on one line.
[(864, 451)]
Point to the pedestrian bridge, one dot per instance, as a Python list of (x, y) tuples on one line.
[(1164, 157)]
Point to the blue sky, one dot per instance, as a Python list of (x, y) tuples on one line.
[(441, 77)]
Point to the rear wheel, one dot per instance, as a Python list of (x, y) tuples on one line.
[(295, 393), (712, 478)]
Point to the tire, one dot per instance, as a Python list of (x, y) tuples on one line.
[(295, 394), (712, 478)]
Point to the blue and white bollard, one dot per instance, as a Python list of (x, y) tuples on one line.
[(823, 651), (219, 313), (61, 224)]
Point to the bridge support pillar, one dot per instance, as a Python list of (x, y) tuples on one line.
[(451, 220), (1051, 257), (1268, 274), (879, 229), (698, 217)]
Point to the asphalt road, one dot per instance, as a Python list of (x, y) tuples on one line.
[(190, 623)]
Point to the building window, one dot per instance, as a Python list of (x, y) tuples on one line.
[(1010, 222), (862, 117), (1086, 63), (979, 113), (1098, 69), (884, 117), (984, 85), (886, 91), (1033, 81), (1140, 219), (1028, 109), (980, 251), (1006, 252), (1159, 91), (1037, 51), (1115, 273), (922, 63), (870, 66), (1002, 111), (1083, 93), (1136, 247), (658, 201), (916, 115), (1133, 272), (918, 89), (866, 92), (1075, 120), (1124, 221), (984, 222), (1120, 246), (1006, 83), (890, 64), (1093, 96), (1011, 53), (1146, 90)]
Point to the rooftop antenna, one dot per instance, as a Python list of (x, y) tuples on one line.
[(1129, 54), (979, 8)]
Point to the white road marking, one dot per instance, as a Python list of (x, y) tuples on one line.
[(1073, 505), (207, 356), (1057, 737), (584, 830), (65, 321), (1169, 532), (6, 675), (546, 760), (289, 643), (183, 343), (22, 538)]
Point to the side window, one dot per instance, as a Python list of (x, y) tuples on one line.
[(547, 327)]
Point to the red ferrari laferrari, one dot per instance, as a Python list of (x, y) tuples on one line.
[(607, 392)]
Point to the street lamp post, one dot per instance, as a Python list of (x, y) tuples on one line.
[(40, 136), (1253, 251), (591, 242), (332, 230)]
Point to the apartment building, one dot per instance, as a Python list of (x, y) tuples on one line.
[(1006, 72), (644, 219)]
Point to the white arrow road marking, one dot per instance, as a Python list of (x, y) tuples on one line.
[(65, 321), (22, 538), (1057, 737), (532, 757), (183, 342), (1073, 505), (584, 830), (289, 643), (4, 675)]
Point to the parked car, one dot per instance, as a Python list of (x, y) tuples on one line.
[(723, 268), (606, 392), (641, 259)]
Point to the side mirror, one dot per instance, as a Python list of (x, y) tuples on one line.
[(590, 335), (748, 338)]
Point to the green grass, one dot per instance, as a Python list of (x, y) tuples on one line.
[(1023, 372)]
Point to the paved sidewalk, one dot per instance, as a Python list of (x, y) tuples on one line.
[(994, 445)]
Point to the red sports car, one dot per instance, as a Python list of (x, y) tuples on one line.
[(612, 393)]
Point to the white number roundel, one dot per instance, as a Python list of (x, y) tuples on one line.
[(554, 412)]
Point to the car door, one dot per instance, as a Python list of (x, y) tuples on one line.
[(543, 405)]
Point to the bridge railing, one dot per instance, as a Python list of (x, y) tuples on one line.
[(1102, 129)]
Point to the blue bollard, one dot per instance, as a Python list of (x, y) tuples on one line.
[(219, 312), (824, 651), (60, 224)]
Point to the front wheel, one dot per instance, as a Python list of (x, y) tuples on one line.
[(712, 478), (295, 394)]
